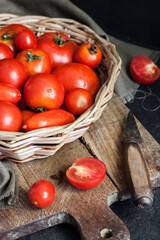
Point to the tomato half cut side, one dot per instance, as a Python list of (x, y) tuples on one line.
[(143, 70), (86, 172)]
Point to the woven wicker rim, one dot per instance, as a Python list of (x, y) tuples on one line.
[(14, 144)]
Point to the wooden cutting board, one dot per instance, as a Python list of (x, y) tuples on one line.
[(87, 210)]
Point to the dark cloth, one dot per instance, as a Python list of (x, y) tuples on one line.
[(9, 185)]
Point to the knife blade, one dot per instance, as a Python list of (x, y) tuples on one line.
[(135, 169)]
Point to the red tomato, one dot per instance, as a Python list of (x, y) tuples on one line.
[(26, 114), (43, 90), (50, 118), (13, 72), (42, 193), (89, 54), (10, 117), (35, 60), (5, 51), (9, 93), (25, 39), (86, 172), (58, 48), (143, 70), (7, 38), (8, 33), (77, 75), (15, 28), (78, 100)]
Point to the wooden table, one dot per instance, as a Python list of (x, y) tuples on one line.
[(87, 210)]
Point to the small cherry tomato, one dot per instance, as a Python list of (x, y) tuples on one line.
[(9, 93), (42, 193), (78, 100), (35, 60), (10, 117), (7, 35), (25, 39), (58, 46), (89, 54), (77, 75), (43, 90), (143, 70), (50, 118), (5, 51), (13, 72), (86, 172)]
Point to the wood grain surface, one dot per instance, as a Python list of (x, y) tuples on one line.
[(87, 210)]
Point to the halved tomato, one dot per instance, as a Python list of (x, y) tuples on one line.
[(143, 70), (86, 172)]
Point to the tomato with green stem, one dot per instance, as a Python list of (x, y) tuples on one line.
[(89, 54), (59, 47), (8, 33), (86, 172), (35, 60)]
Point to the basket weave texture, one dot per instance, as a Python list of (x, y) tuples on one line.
[(41, 143)]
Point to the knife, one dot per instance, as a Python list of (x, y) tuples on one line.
[(135, 170)]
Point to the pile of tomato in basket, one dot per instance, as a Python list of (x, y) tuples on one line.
[(45, 81)]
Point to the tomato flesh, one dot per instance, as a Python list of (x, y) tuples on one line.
[(143, 70), (86, 172), (42, 193)]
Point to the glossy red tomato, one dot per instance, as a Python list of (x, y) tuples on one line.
[(86, 172), (89, 54), (35, 60), (50, 118), (7, 35), (5, 51), (58, 48), (143, 70), (42, 193), (77, 75), (26, 114), (9, 93), (78, 100), (25, 39), (43, 90), (10, 117), (13, 72)]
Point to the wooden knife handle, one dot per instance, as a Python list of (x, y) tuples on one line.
[(137, 176)]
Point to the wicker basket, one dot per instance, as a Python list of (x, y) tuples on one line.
[(41, 143)]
